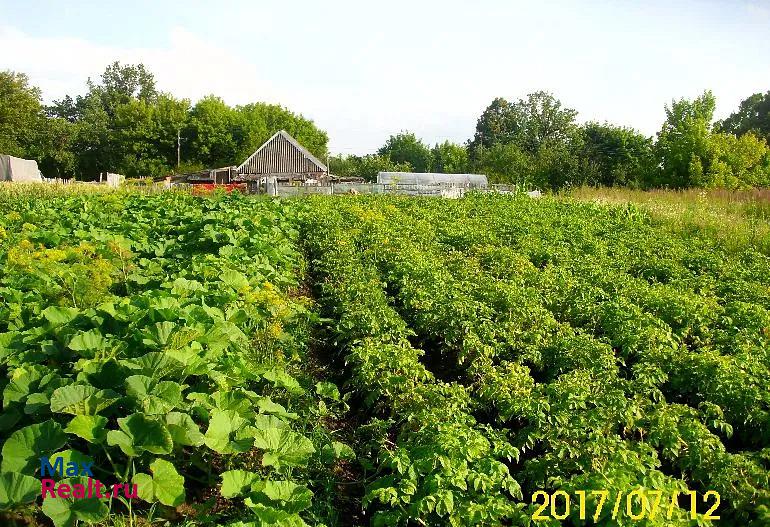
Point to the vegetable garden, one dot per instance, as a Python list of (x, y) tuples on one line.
[(379, 361)]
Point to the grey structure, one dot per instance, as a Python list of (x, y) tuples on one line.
[(430, 178), (19, 170), (284, 158)]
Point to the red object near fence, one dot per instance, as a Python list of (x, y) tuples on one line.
[(206, 188)]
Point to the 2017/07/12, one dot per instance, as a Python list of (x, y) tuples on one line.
[(649, 501)]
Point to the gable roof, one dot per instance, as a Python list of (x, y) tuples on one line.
[(281, 154)]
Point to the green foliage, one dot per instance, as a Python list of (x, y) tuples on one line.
[(753, 116), (605, 362), (692, 155), (527, 123), (132, 335), (366, 167), (164, 485), (20, 113), (449, 158), (683, 141), (123, 124), (616, 156), (406, 148), (489, 347), (68, 512)]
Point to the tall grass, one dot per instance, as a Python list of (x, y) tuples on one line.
[(738, 219)]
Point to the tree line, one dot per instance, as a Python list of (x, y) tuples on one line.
[(537, 142), (124, 124)]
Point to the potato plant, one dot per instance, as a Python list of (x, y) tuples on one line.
[(372, 360)]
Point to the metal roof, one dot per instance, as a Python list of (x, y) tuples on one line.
[(431, 178), (279, 161)]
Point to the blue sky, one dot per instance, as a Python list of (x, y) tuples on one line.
[(364, 70)]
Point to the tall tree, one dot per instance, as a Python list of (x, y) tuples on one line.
[(405, 147), (495, 125), (693, 155), (99, 143), (449, 158), (209, 134), (120, 84), (615, 155), (528, 123), (54, 147), (147, 132), (753, 115), (20, 113), (683, 141)]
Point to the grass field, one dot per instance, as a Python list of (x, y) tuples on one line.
[(492, 360), (740, 219)]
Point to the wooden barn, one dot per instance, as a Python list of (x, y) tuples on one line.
[(282, 158)]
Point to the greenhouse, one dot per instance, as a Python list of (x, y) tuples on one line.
[(430, 178)]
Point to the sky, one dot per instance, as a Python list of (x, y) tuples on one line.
[(365, 70)]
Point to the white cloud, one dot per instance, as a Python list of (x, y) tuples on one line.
[(189, 66)]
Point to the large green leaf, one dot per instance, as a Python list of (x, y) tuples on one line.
[(70, 456), (57, 316), (17, 489), (139, 433), (328, 390), (28, 380), (267, 406), (158, 335), (155, 364), (238, 482), (281, 379), (153, 398), (183, 429), (91, 340), (92, 428), (37, 402), (287, 495), (228, 433), (283, 447), (336, 450), (23, 450), (165, 485), (81, 399), (272, 517), (66, 512), (235, 279)]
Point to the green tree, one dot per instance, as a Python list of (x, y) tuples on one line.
[(20, 114), (495, 126), (733, 162), (753, 115), (692, 155), (449, 158), (506, 163), (93, 144), (366, 167), (683, 141), (405, 147), (615, 155), (147, 131), (527, 123), (100, 143), (210, 137), (121, 84), (53, 148)]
